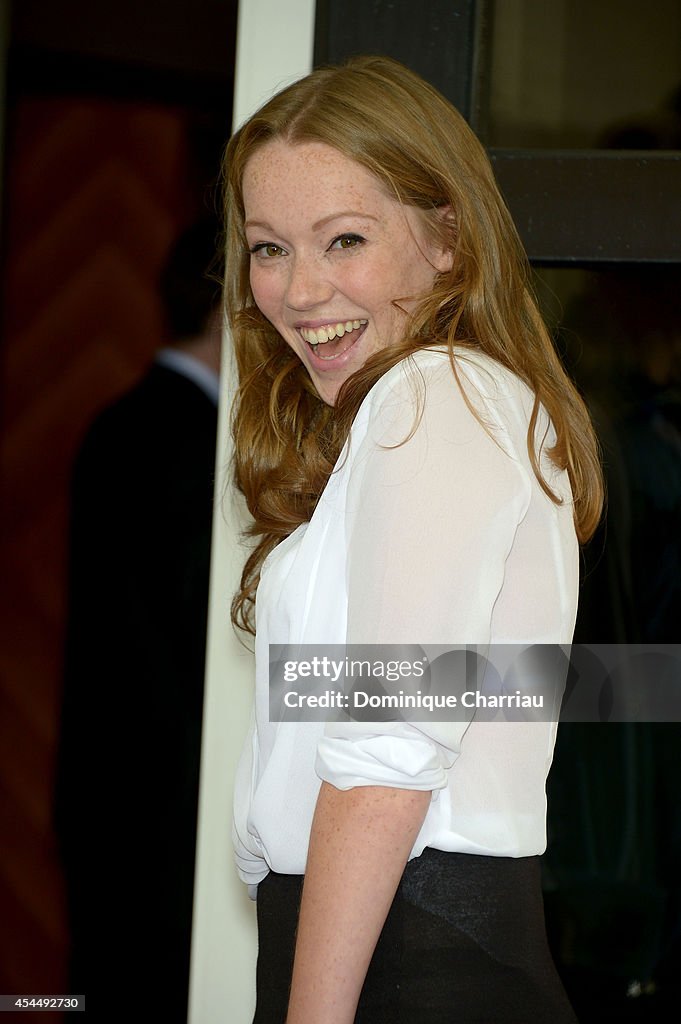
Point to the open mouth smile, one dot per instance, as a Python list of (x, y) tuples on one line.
[(348, 330)]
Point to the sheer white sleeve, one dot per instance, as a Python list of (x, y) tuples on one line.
[(435, 497)]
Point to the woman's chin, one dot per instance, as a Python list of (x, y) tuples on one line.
[(329, 374)]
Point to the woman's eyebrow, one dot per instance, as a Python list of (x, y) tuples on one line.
[(259, 224), (342, 213), (317, 224)]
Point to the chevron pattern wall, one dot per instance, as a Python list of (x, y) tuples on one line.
[(95, 192)]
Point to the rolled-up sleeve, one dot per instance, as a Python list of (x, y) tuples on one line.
[(435, 497)]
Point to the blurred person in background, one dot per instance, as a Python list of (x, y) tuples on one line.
[(128, 776)]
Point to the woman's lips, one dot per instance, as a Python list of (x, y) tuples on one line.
[(323, 333), (326, 354)]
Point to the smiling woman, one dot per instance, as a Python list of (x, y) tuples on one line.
[(419, 470), (325, 238)]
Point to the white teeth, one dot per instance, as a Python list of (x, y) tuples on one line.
[(321, 335)]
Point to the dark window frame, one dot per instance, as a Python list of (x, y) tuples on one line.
[(593, 206), (571, 207)]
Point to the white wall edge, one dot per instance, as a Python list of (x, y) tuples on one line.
[(274, 47)]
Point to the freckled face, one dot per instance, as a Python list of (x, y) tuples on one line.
[(330, 254)]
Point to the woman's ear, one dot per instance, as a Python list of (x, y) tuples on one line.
[(444, 239)]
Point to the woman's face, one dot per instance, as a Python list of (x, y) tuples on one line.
[(331, 254)]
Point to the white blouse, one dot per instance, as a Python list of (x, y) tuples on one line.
[(447, 538)]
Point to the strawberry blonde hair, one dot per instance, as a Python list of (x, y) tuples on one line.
[(397, 126)]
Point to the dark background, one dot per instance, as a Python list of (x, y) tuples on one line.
[(116, 115)]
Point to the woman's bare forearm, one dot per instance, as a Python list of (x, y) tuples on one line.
[(361, 839)]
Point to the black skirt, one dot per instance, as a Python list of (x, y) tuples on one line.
[(464, 943)]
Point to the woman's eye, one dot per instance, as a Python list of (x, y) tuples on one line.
[(346, 242), (266, 250)]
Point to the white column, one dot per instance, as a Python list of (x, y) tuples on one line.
[(274, 46)]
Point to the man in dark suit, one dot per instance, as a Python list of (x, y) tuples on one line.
[(128, 776)]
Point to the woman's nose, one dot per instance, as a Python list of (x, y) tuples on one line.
[(308, 284)]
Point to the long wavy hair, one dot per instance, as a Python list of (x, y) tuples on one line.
[(287, 440)]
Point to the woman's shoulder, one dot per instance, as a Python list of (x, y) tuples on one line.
[(428, 375), (429, 395)]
